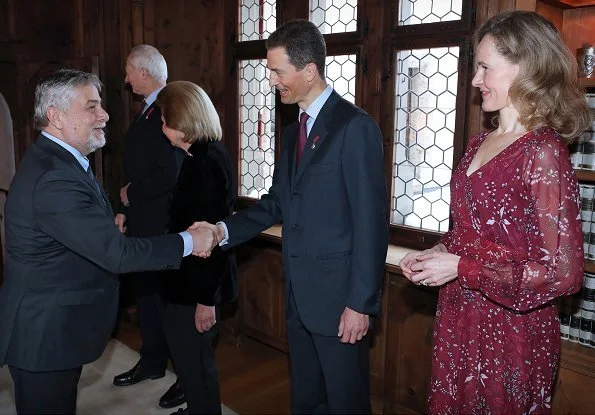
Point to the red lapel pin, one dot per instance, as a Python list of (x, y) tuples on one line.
[(314, 142), (149, 113)]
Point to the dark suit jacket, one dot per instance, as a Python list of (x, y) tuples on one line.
[(333, 210), (205, 191), (150, 165), (59, 299)]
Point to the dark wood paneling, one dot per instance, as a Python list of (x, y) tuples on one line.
[(5, 14), (261, 303), (193, 39), (44, 30), (410, 311)]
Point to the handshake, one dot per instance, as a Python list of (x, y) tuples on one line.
[(205, 237)]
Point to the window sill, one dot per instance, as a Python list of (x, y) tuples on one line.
[(394, 253)]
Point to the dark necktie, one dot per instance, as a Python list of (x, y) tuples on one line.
[(141, 110), (302, 137), (95, 182)]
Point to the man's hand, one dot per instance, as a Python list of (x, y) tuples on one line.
[(353, 326), (204, 317), (203, 240), (120, 220), (217, 230), (124, 195)]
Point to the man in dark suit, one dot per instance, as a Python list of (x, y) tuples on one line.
[(58, 303), (6, 166), (151, 164), (331, 199)]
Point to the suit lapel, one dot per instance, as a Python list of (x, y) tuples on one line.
[(291, 134), (317, 136), (145, 115), (72, 162)]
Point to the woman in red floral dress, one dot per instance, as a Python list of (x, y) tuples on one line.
[(516, 241)]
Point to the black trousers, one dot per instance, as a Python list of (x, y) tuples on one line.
[(194, 358), (327, 376), (45, 392), (149, 306)]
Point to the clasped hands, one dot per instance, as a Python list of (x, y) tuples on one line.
[(433, 267), (205, 237)]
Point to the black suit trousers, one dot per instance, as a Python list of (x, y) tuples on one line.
[(45, 392), (194, 359), (150, 309), (327, 376)]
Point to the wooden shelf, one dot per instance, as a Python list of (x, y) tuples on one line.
[(585, 175), (569, 4), (587, 82), (578, 357), (589, 266)]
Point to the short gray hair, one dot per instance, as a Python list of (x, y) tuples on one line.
[(58, 89), (150, 59)]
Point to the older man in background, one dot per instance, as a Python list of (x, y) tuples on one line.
[(6, 165), (151, 164)]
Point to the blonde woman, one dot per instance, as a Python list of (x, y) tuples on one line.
[(205, 191), (516, 242)]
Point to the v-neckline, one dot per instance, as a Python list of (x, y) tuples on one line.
[(504, 150)]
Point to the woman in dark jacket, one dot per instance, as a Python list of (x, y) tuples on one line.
[(205, 191)]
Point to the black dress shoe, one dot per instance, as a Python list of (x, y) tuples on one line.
[(135, 375), (173, 397), (180, 411)]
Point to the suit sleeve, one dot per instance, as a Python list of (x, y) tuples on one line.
[(363, 167), (267, 212), (67, 210), (162, 178), (212, 193)]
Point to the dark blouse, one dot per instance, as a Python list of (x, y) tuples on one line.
[(205, 191)]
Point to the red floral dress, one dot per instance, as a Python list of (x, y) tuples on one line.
[(518, 232)]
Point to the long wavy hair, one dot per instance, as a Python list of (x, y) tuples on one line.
[(546, 90)]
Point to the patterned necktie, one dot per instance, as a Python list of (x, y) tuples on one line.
[(302, 137)]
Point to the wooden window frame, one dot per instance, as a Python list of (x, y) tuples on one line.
[(375, 43)]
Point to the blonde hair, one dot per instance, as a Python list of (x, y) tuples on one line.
[(546, 90), (186, 107)]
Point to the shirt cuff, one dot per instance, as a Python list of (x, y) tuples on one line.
[(226, 239), (188, 244)]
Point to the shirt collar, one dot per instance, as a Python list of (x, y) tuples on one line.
[(314, 109), (83, 161), (149, 99)]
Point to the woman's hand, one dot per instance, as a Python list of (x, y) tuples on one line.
[(413, 257), (435, 268), (204, 318)]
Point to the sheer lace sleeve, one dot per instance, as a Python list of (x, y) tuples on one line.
[(552, 263)]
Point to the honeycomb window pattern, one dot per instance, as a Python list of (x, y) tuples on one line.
[(425, 105), (413, 12), (257, 19), (334, 16), (340, 74), (257, 129)]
